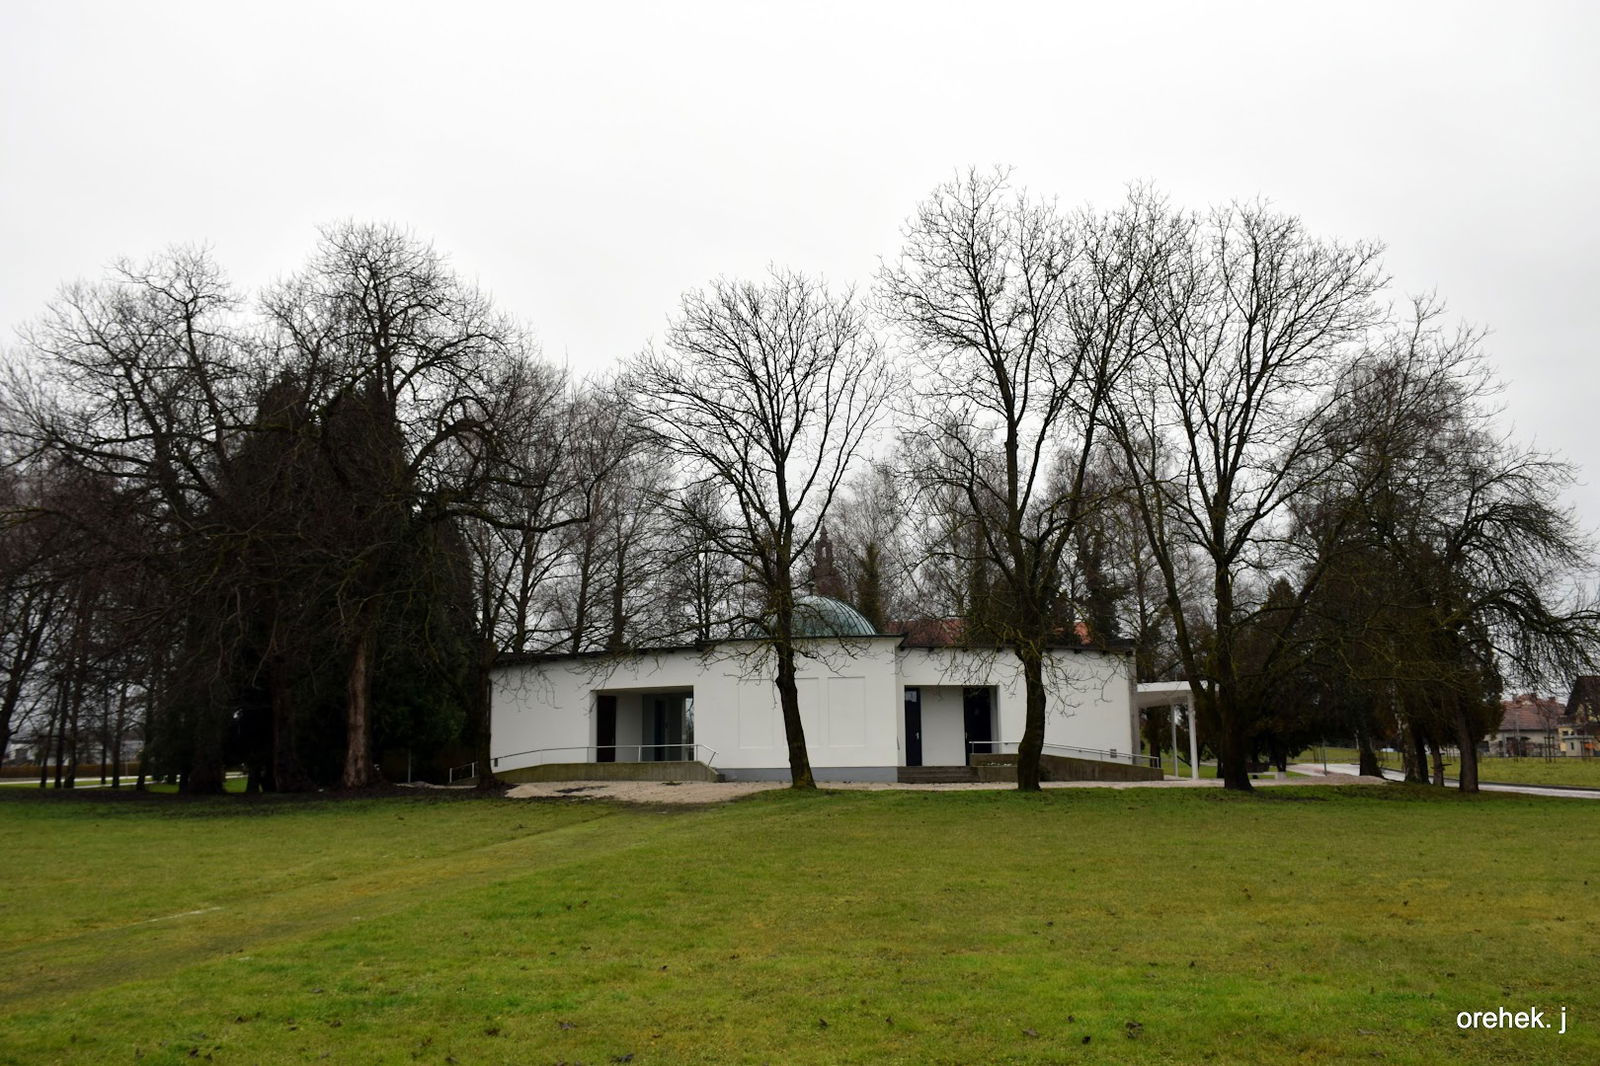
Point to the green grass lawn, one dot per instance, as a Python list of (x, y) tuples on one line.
[(1179, 768), (1559, 771), (1565, 771), (1176, 768), (1081, 926)]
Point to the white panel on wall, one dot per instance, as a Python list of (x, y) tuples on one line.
[(810, 711), (756, 713), (847, 712)]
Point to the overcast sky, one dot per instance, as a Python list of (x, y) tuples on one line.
[(588, 162)]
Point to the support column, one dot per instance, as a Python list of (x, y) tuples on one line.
[(1172, 715), (1194, 745)]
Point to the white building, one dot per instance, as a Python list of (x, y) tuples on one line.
[(872, 704)]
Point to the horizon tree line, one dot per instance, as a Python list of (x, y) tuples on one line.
[(299, 532)]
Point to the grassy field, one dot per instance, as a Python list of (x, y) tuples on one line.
[(1560, 771), (1303, 925)]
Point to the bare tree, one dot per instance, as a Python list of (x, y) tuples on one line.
[(1461, 570), (875, 558), (286, 488), (700, 585), (409, 369), (144, 382), (766, 391), (1245, 322), (558, 447), (1019, 318), (30, 598), (609, 598)]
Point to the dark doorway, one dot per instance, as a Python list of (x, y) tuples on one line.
[(660, 731), (977, 706), (605, 728), (913, 727), (668, 726)]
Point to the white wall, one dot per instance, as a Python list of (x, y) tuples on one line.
[(1089, 694), (843, 691), (1096, 708), (852, 702)]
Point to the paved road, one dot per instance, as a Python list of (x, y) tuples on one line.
[(83, 782), (1395, 775)]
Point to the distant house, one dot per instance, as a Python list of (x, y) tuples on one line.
[(1530, 725), (874, 705), (1583, 715)]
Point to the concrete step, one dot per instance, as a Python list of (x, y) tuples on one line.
[(937, 775)]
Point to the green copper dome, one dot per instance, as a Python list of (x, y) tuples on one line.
[(820, 616)]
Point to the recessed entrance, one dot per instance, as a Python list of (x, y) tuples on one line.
[(947, 724), (644, 726), (913, 727), (977, 713)]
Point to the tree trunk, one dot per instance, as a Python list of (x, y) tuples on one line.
[(1032, 746), (146, 720), (483, 712), (18, 670), (287, 774), (61, 737), (1369, 758), (155, 688), (358, 769), (119, 735), (1438, 761), (1468, 773), (1232, 764), (72, 722), (1417, 762), (8, 706), (580, 610), (207, 774), (619, 614), (789, 700)]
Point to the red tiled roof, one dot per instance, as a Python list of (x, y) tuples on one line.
[(1530, 713), (932, 632), (950, 632)]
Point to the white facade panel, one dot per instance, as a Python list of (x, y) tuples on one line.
[(756, 714), (847, 726)]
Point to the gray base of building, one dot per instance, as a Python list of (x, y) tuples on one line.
[(987, 768), (822, 774), (610, 771)]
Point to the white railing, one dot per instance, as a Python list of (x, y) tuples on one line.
[(619, 753), (1007, 747), (462, 772)]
